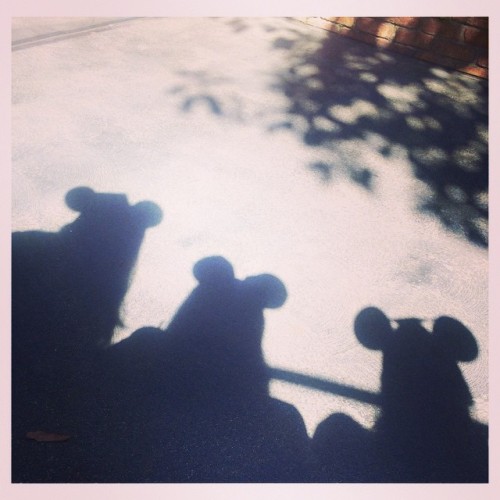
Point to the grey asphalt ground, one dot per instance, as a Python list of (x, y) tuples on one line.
[(357, 176)]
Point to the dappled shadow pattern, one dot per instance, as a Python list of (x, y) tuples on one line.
[(424, 432), (196, 394), (366, 111), (67, 289), (346, 90)]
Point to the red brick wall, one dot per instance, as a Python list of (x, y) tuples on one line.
[(459, 43)]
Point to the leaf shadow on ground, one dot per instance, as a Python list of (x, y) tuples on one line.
[(343, 95)]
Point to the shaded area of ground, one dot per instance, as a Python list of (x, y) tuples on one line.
[(288, 151), (346, 91), (191, 403)]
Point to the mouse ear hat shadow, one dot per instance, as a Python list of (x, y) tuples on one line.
[(147, 213), (79, 198), (455, 339), (213, 270), (372, 328), (268, 290)]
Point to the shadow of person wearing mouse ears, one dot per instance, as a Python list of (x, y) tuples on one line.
[(67, 290), (424, 432), (198, 390)]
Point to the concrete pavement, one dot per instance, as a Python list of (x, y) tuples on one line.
[(356, 176)]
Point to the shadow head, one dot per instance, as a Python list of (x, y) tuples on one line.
[(86, 201), (265, 290), (373, 330)]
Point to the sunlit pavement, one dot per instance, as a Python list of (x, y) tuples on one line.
[(356, 176)]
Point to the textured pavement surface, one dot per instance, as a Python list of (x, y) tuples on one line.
[(356, 176)]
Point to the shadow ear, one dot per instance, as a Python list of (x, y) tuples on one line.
[(79, 198), (148, 213), (372, 328), (455, 339), (268, 290), (213, 270)]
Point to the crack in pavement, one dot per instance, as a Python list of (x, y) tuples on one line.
[(55, 36)]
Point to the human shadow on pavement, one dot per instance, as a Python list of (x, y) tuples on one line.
[(424, 433), (191, 404), (67, 289)]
